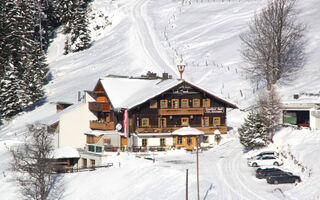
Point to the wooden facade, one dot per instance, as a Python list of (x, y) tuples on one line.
[(180, 106)]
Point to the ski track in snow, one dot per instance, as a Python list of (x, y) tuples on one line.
[(147, 37)]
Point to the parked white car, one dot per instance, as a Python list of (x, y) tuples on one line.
[(265, 161), (264, 153)]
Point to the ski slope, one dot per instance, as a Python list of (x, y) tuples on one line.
[(150, 35)]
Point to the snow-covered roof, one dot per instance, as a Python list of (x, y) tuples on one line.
[(303, 101), (66, 152), (127, 92), (130, 92), (153, 134), (187, 131), (55, 117), (99, 132)]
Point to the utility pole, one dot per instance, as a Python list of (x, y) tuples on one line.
[(186, 184), (198, 167)]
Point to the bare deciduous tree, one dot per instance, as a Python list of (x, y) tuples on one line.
[(31, 164), (274, 45)]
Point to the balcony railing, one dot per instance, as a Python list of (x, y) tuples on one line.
[(170, 129), (98, 125), (181, 111), (99, 106)]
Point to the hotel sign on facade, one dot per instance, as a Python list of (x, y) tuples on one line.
[(214, 110)]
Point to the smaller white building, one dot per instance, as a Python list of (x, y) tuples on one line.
[(98, 145), (303, 110), (71, 122)]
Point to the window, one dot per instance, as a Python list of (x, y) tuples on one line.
[(153, 104), (206, 103), (91, 148), (196, 103), (179, 140), (162, 142), (162, 122), (216, 121), (184, 121), (189, 141), (205, 121), (184, 103), (144, 142), (98, 149), (145, 122), (90, 139), (175, 103), (164, 103), (107, 141)]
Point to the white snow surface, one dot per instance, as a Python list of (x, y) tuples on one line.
[(66, 152), (187, 131), (149, 35)]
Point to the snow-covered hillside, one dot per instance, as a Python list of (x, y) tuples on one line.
[(131, 37)]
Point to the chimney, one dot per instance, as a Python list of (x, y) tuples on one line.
[(165, 76), (296, 96)]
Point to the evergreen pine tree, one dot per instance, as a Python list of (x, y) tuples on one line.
[(11, 60), (25, 72), (253, 133), (34, 66), (65, 12), (67, 46), (10, 92), (80, 34), (269, 104), (2, 39)]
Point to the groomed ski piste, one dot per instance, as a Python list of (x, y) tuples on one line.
[(149, 35)]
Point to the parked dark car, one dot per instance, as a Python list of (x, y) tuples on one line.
[(264, 173), (284, 178)]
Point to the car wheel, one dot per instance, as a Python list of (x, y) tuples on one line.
[(275, 182), (276, 163), (254, 165)]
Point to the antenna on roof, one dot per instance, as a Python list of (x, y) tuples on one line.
[(181, 66)]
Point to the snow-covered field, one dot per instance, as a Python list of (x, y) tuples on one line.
[(150, 35)]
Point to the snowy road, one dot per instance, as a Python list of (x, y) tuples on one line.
[(231, 175), (147, 38), (224, 175)]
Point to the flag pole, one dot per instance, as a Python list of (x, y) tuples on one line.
[(198, 168)]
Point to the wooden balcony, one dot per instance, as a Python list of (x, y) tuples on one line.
[(170, 129), (181, 111), (105, 126), (99, 106)]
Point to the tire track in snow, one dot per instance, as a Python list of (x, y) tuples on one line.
[(229, 180)]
